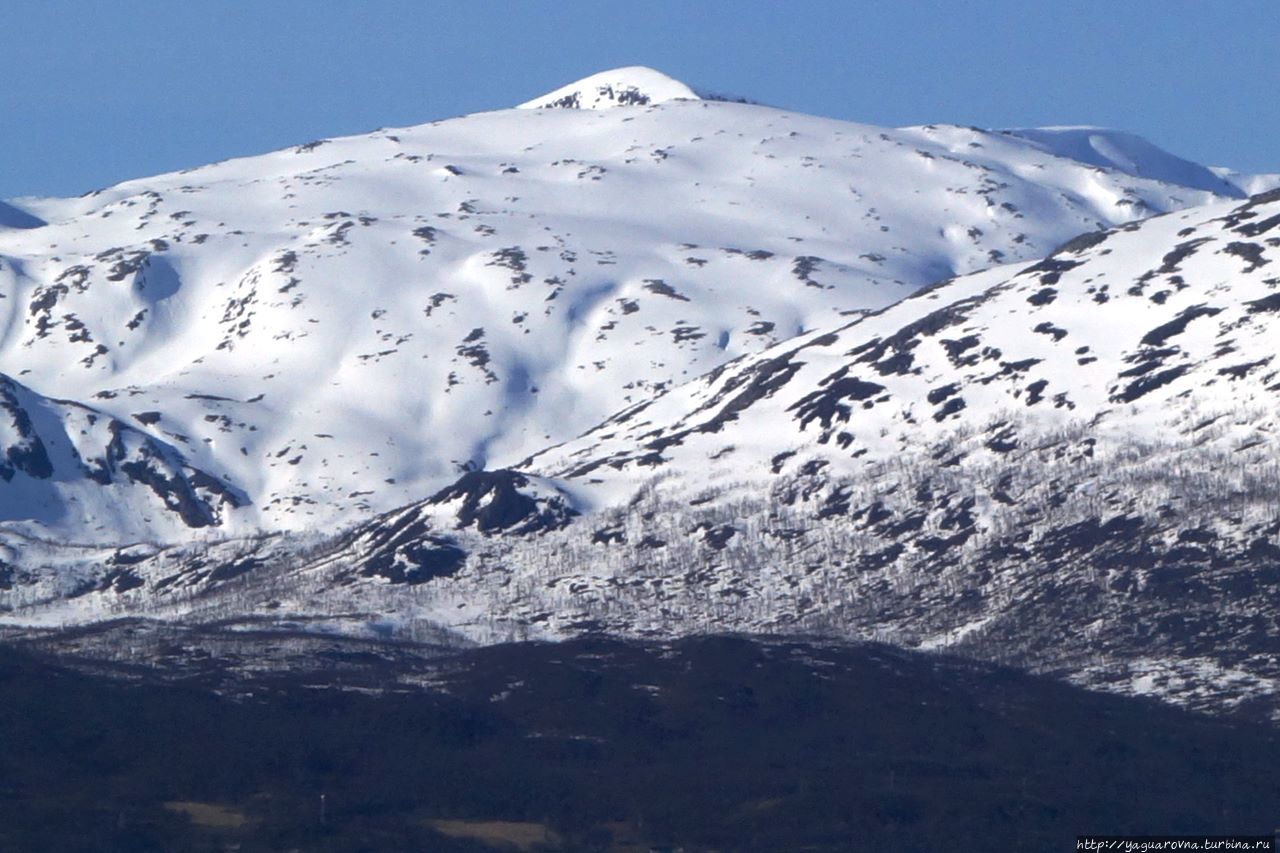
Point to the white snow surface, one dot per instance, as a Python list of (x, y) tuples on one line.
[(338, 329)]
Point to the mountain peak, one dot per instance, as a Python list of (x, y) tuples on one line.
[(634, 85)]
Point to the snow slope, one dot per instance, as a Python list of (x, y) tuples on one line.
[(1112, 149), (338, 329), (1154, 325)]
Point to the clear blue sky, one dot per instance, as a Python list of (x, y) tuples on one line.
[(98, 92)]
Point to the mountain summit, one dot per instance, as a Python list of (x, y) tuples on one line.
[(634, 85)]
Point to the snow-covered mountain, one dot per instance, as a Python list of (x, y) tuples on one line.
[(338, 329), (675, 366), (1067, 465)]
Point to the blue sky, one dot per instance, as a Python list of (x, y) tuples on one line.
[(98, 92)]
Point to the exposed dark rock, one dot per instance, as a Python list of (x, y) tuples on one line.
[(660, 287), (1266, 303), (609, 536), (1085, 241), (492, 501), (1252, 253), (892, 355), (1157, 336), (832, 402), (1047, 328), (956, 348), (1148, 383), (1254, 229), (28, 453), (1239, 371)]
